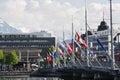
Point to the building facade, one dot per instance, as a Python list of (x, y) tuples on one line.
[(29, 47), (104, 36)]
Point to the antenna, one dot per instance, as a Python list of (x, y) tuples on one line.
[(103, 15)]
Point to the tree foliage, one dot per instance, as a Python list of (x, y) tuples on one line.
[(1, 55), (12, 58)]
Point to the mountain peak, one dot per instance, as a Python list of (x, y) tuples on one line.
[(6, 28), (1, 22)]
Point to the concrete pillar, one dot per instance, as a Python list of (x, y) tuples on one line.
[(71, 76), (96, 76), (87, 75), (100, 76), (76, 76), (116, 78)]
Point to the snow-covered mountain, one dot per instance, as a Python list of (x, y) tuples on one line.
[(6, 28)]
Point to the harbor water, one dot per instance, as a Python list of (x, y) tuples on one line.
[(30, 78), (38, 78)]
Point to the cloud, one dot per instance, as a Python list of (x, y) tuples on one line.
[(96, 10), (36, 15)]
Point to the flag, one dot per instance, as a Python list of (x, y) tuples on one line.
[(52, 57), (80, 40), (69, 49), (92, 52), (78, 44), (56, 60), (60, 51), (56, 54), (77, 37), (100, 43), (48, 59), (64, 48)]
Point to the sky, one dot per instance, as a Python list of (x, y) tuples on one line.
[(57, 15)]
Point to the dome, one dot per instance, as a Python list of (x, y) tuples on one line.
[(103, 26), (103, 23)]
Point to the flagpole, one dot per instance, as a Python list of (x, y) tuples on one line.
[(112, 47), (63, 34), (86, 33), (73, 42), (27, 60), (63, 42)]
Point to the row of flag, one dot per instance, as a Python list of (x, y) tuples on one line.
[(66, 49)]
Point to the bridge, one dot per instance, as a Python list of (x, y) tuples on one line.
[(80, 71), (82, 67)]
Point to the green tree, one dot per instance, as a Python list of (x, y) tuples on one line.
[(12, 58), (1, 55)]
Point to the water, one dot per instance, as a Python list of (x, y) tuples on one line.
[(43, 78), (37, 78), (29, 78)]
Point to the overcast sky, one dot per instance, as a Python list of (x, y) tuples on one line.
[(52, 15)]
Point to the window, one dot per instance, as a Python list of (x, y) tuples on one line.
[(91, 44)]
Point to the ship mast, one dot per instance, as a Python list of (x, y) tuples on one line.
[(112, 47), (86, 33)]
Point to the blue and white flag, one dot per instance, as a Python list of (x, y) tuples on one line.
[(56, 54), (100, 43), (64, 48)]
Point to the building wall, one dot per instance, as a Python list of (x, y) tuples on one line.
[(104, 38), (28, 46)]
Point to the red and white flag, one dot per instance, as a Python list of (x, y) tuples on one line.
[(48, 59), (80, 40), (69, 48), (60, 51)]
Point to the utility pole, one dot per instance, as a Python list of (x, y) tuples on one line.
[(86, 34), (111, 31)]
